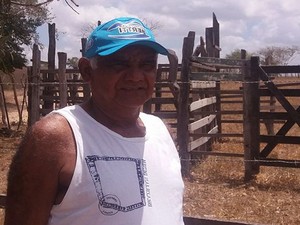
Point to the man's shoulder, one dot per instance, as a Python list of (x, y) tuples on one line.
[(51, 133)]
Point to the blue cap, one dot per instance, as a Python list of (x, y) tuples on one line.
[(116, 34)]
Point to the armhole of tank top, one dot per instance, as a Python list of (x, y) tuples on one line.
[(76, 159)]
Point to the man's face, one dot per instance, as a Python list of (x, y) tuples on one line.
[(125, 78)]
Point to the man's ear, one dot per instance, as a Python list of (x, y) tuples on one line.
[(85, 69)]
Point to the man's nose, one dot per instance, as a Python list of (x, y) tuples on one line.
[(134, 73)]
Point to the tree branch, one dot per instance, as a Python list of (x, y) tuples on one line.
[(31, 5), (71, 6), (74, 3), (44, 3)]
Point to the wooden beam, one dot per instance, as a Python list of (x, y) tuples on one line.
[(279, 96), (201, 123), (183, 102), (281, 69), (284, 92), (279, 139), (251, 118), (202, 103), (63, 87), (202, 66), (220, 61), (281, 132), (200, 141), (197, 84), (34, 86), (216, 76)]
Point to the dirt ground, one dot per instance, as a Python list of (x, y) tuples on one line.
[(216, 189)]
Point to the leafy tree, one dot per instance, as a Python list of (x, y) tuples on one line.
[(73, 62), (18, 26), (19, 20)]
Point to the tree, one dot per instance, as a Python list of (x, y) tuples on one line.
[(19, 20), (18, 24), (73, 62), (273, 55), (236, 54), (35, 3)]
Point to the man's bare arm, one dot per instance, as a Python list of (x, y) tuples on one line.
[(34, 176)]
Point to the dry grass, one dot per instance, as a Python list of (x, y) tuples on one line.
[(217, 189)]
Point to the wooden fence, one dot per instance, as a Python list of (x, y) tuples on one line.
[(200, 119), (290, 116), (189, 97)]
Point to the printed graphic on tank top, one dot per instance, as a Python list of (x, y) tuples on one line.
[(105, 170)]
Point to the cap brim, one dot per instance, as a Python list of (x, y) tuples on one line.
[(154, 45)]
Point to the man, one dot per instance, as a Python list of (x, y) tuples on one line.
[(102, 162)]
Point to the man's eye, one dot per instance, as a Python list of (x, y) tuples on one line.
[(149, 65), (118, 65)]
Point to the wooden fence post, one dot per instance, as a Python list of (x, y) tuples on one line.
[(85, 86), (63, 87), (251, 108), (218, 106), (48, 90), (183, 105), (34, 86)]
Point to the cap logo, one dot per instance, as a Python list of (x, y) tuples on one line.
[(129, 30)]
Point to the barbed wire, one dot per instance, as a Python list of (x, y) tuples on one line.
[(220, 159), (161, 82), (242, 160)]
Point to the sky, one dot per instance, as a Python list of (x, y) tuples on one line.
[(249, 25)]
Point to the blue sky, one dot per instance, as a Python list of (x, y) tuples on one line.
[(249, 25)]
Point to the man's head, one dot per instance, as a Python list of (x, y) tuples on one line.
[(119, 33)]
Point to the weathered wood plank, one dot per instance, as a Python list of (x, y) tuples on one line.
[(281, 69), (251, 117), (274, 115), (285, 92), (279, 139), (196, 143), (201, 123), (34, 86), (202, 66), (203, 84), (162, 100), (279, 96), (216, 76), (183, 111), (282, 131), (166, 114), (63, 86), (202, 103), (220, 61), (56, 71)]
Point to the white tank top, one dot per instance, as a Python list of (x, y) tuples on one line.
[(118, 180)]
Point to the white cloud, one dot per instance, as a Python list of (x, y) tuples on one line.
[(251, 24)]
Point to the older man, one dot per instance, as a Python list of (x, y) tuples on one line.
[(102, 162)]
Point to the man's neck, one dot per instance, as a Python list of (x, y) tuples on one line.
[(125, 121)]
